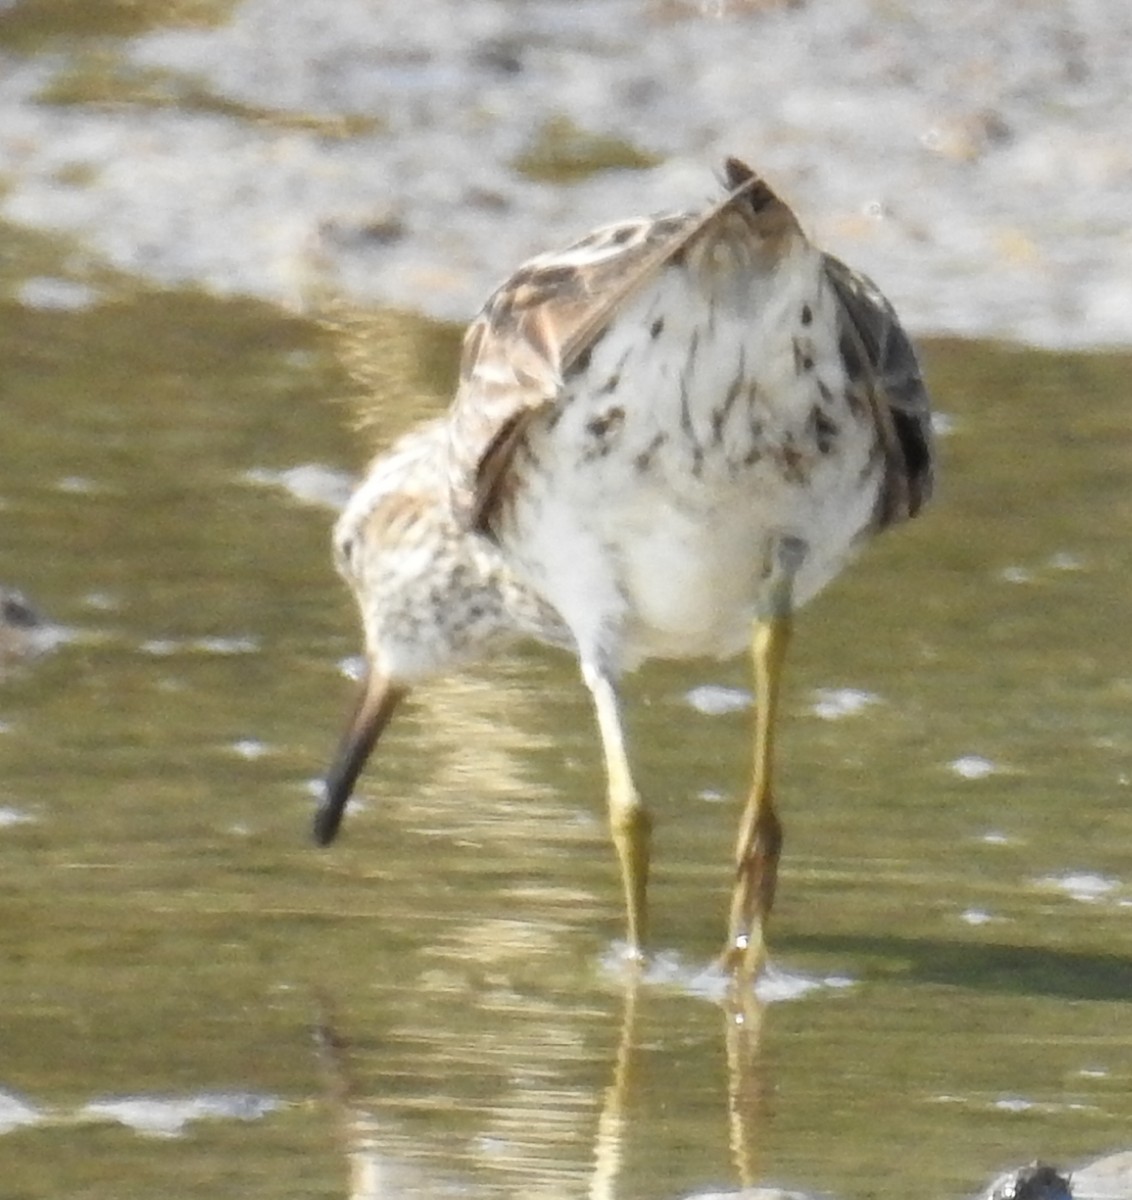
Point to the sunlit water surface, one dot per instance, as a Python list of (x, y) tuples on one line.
[(196, 1002)]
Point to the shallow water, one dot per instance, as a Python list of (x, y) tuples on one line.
[(956, 765)]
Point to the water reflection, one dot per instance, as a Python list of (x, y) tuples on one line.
[(526, 1137)]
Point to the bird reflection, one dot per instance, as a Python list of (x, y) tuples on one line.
[(377, 1155)]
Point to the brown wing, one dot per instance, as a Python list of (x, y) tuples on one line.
[(882, 368), (539, 325)]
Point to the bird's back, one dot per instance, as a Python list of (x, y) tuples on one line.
[(642, 416)]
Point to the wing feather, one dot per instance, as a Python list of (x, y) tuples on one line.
[(540, 324), (882, 367)]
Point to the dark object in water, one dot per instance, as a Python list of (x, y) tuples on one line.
[(21, 627), (1038, 1181)]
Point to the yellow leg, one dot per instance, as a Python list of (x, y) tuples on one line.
[(629, 822), (613, 1119), (760, 832), (747, 1110)]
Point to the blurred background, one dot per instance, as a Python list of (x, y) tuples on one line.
[(228, 227)]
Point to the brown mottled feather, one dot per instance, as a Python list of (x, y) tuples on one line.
[(540, 322)]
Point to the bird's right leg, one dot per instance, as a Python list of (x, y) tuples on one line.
[(629, 821), (760, 831)]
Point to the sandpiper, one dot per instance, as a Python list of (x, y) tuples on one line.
[(666, 438)]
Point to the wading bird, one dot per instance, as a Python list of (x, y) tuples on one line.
[(666, 438)]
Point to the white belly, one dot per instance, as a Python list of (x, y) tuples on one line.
[(654, 498)]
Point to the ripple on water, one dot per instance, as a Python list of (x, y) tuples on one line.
[(234, 644), (832, 704), (1084, 886), (775, 985), (167, 1116), (311, 483), (713, 700), (250, 748), (972, 766), (16, 1113), (48, 293)]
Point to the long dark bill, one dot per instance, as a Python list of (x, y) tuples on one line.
[(377, 700)]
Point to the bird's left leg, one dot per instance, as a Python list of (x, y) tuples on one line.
[(629, 822), (760, 831)]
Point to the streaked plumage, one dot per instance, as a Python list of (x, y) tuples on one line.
[(666, 433)]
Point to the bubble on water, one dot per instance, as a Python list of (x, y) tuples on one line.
[(161, 647), (221, 645), (16, 1113), (156, 1116), (250, 748), (972, 766), (776, 985), (101, 601), (1015, 574), (311, 483), (77, 485), (234, 644), (353, 667), (1082, 885), (831, 704), (714, 700), (1063, 560), (711, 982), (50, 294)]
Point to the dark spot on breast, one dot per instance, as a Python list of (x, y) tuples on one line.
[(644, 459), (792, 461), (824, 429), (657, 328), (611, 385), (824, 391), (605, 423), (719, 415), (802, 358), (807, 315)]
